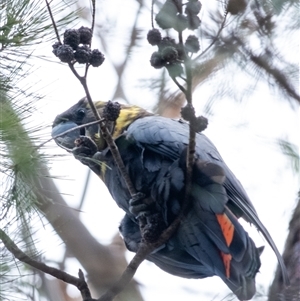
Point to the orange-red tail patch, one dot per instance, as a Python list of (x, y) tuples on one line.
[(227, 227), (228, 231), (226, 260)]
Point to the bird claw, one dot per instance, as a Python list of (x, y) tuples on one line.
[(85, 148), (151, 223), (153, 227), (139, 205)]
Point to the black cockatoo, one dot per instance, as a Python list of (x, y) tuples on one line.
[(209, 240)]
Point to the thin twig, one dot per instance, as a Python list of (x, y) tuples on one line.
[(69, 131), (105, 133), (93, 14), (84, 289), (86, 69), (178, 85), (19, 254), (71, 66), (111, 143), (192, 134), (189, 79), (152, 12), (52, 20)]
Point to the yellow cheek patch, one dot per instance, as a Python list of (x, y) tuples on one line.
[(126, 117)]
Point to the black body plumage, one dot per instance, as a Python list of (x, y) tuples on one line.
[(210, 240)]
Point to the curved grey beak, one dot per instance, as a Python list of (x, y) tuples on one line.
[(66, 141)]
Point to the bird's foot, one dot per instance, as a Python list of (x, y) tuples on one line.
[(151, 223), (140, 206), (85, 148), (153, 228)]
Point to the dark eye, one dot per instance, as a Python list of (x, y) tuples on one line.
[(80, 113)]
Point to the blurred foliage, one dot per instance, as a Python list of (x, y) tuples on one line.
[(292, 152), (23, 25)]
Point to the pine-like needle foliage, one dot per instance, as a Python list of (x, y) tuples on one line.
[(23, 25)]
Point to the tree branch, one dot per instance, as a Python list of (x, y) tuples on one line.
[(19, 254), (52, 20), (102, 265)]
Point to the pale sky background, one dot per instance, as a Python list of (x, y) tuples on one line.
[(244, 134)]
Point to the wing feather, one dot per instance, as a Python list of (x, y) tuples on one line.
[(169, 138)]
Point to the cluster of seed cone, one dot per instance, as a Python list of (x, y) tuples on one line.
[(76, 47)]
